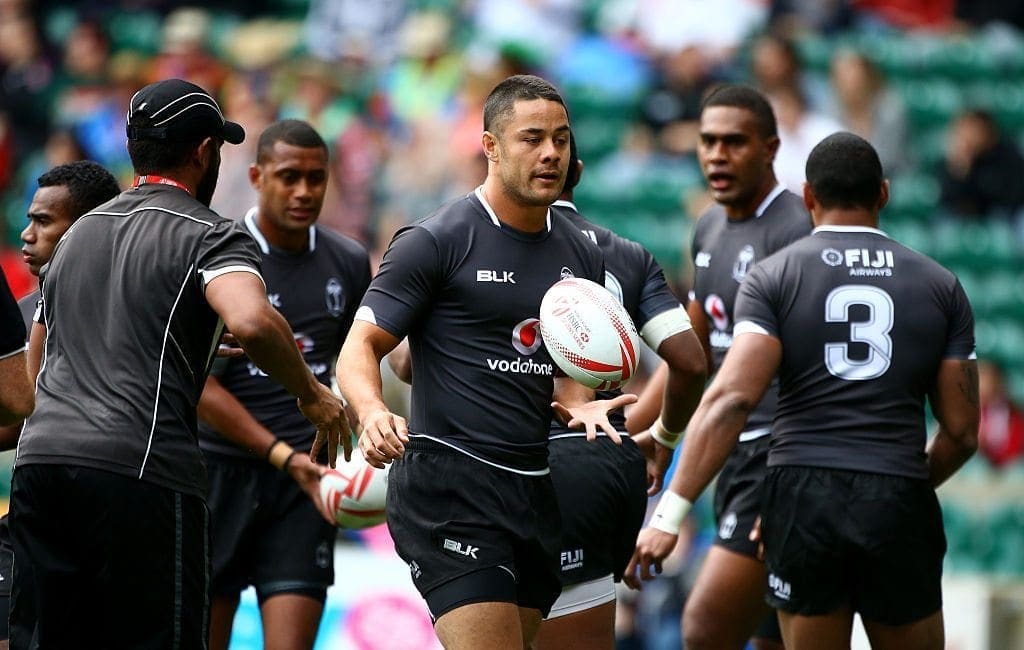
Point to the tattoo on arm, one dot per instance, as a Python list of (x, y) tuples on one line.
[(969, 382)]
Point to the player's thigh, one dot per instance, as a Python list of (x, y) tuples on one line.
[(293, 545), (461, 525), (726, 604), (895, 525), (496, 626), (925, 634), (290, 621), (602, 497), (152, 579), (233, 498), (739, 492), (830, 631), (222, 619), (587, 629)]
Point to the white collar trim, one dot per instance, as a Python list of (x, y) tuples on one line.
[(776, 191), (479, 191), (850, 229)]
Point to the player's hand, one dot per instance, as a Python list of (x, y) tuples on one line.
[(327, 414), (383, 438), (229, 347), (593, 414), (307, 474), (652, 547), (657, 467)]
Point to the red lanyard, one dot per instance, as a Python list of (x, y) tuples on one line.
[(162, 180)]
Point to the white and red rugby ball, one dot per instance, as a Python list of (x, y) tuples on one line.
[(589, 334), (355, 492)]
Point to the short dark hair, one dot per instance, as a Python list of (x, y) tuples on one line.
[(572, 175), (154, 156), (294, 132), (501, 102), (844, 171), (88, 184), (749, 99)]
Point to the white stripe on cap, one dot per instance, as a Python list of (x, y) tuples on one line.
[(184, 97)]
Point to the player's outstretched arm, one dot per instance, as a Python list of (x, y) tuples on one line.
[(220, 409), (685, 374), (954, 400), (714, 429), (241, 301), (576, 407), (33, 357), (383, 434)]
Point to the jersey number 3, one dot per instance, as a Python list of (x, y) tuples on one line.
[(874, 332)]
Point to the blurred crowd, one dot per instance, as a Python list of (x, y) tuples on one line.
[(396, 89)]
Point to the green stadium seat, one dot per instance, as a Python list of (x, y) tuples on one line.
[(913, 196), (135, 30), (1005, 529), (930, 102), (965, 541)]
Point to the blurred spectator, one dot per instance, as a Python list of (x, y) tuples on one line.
[(717, 27), (978, 13), (422, 83), (810, 16), (1001, 432), (776, 67), (183, 52), (357, 29), (864, 105), (545, 27), (672, 108), (26, 83), (800, 129), (983, 170)]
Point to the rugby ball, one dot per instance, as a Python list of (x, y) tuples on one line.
[(355, 492), (589, 334)]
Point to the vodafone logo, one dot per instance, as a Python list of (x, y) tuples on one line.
[(526, 336), (714, 306)]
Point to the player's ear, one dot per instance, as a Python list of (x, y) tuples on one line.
[(772, 145), (809, 199), (490, 145), (883, 195), (254, 175)]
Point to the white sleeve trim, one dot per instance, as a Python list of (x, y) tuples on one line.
[(666, 324), (12, 353), (365, 313), (749, 327), (209, 276)]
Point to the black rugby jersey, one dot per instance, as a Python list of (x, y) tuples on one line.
[(634, 277), (12, 328), (724, 251), (466, 289), (29, 306), (317, 291), (130, 336), (864, 324)]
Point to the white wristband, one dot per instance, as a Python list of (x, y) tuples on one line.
[(663, 436), (669, 514)]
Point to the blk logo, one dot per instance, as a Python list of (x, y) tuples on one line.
[(501, 277), (334, 297), (456, 547)]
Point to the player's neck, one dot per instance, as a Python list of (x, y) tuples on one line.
[(748, 209), (845, 217), (525, 218), (292, 241)]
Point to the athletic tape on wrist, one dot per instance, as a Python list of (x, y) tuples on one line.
[(669, 514), (279, 454), (665, 437)]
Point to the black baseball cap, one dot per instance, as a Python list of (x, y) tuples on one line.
[(174, 109)]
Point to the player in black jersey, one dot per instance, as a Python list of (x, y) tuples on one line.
[(16, 399), (602, 489), (65, 193), (860, 331), (470, 500), (133, 301), (753, 216), (263, 530)]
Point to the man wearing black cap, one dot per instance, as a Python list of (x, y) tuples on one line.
[(108, 512)]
